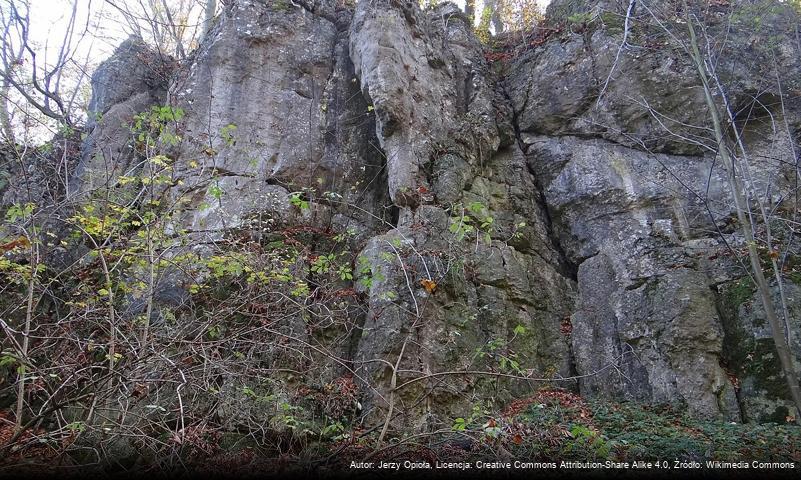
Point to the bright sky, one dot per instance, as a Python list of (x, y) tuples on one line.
[(49, 19)]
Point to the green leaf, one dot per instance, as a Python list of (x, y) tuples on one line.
[(216, 191), (7, 360), (76, 426), (296, 200)]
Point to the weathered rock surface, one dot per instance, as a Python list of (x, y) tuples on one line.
[(642, 225), (508, 221), (448, 136), (131, 81), (749, 349), (285, 106)]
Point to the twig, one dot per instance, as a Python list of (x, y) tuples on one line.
[(623, 44), (392, 384)]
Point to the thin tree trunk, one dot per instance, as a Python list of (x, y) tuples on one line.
[(470, 11), (5, 117), (174, 32), (150, 288), (782, 347), (26, 335), (208, 17), (495, 15)]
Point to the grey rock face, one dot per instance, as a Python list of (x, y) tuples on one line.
[(132, 69), (131, 81), (280, 115), (749, 350), (659, 342), (649, 230), (423, 76), (440, 120), (37, 176), (498, 209), (652, 99)]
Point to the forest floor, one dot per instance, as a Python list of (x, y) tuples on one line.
[(551, 426)]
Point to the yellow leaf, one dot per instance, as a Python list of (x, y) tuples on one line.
[(429, 285)]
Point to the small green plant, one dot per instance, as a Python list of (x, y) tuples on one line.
[(114, 358), (333, 430), (300, 290), (296, 199), (590, 440), (509, 364), (214, 332), (388, 296), (66, 130), (345, 272), (498, 350), (216, 191), (77, 426), (474, 218), (323, 263), (7, 360), (349, 233), (153, 125), (232, 265), (19, 211), (226, 133), (517, 233), (288, 418), (366, 274), (461, 227), (491, 346), (459, 425)]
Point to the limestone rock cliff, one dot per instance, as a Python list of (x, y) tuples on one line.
[(503, 203)]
